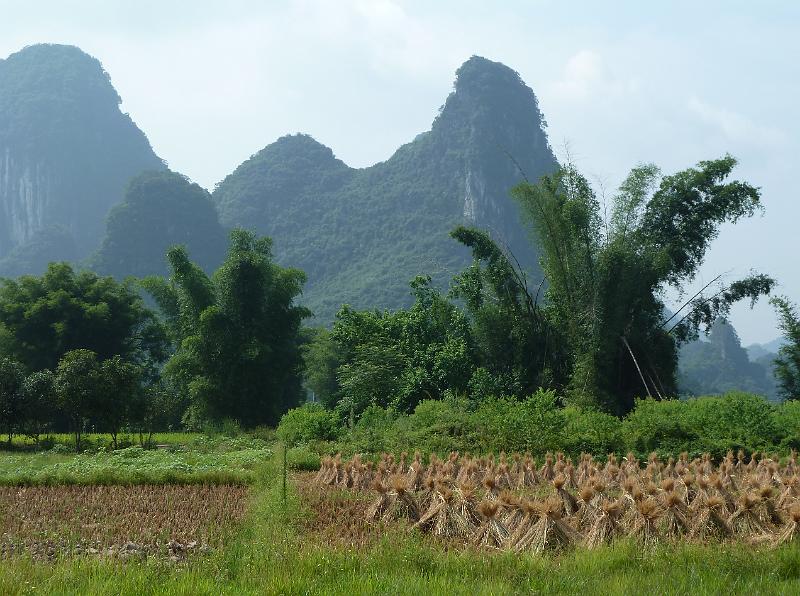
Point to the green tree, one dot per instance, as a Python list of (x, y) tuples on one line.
[(38, 403), (79, 387), (606, 277), (161, 209), (517, 348), (402, 358), (117, 398), (238, 350), (12, 375), (787, 364), (322, 359), (43, 318)]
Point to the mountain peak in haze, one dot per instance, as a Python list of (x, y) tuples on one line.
[(66, 149), (362, 234)]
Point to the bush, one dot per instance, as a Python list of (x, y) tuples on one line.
[(787, 422), (436, 426), (590, 431), (658, 426), (535, 424), (704, 424), (308, 423)]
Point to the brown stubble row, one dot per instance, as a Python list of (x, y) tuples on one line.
[(513, 504), (173, 520)]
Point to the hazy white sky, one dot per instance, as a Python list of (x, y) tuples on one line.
[(213, 82)]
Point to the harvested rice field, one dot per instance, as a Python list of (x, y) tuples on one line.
[(170, 521), (515, 505), (390, 528)]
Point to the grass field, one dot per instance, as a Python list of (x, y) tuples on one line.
[(308, 545), (188, 459)]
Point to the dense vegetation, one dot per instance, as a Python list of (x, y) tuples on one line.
[(361, 234), (79, 351), (160, 210), (68, 153), (713, 424), (598, 335)]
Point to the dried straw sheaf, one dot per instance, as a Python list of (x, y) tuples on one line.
[(525, 507)]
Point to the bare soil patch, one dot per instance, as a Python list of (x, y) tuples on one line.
[(121, 521)]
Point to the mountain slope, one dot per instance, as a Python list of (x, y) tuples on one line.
[(362, 234), (66, 152), (160, 209)]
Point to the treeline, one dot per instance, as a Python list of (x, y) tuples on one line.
[(595, 330), (83, 352), (538, 424), (79, 351)]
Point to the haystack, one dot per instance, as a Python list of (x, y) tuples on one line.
[(491, 532)]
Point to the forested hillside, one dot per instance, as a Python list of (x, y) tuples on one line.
[(66, 154), (362, 234)]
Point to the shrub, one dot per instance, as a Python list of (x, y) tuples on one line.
[(657, 426), (591, 431), (535, 424), (438, 426), (310, 422), (786, 417), (705, 424)]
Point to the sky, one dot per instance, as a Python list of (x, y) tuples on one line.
[(621, 83)]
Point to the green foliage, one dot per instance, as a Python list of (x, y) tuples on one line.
[(308, 423), (321, 359), (591, 431), (606, 278), (79, 387), (787, 364), (39, 403), (12, 377), (134, 465), (161, 209), (535, 424), (64, 137), (538, 424), (517, 350), (787, 422), (46, 317), (707, 424), (398, 359), (359, 234), (237, 333)]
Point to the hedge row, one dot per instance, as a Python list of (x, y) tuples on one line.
[(538, 424)]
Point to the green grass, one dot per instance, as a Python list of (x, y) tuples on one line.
[(270, 555), (95, 441), (206, 460)]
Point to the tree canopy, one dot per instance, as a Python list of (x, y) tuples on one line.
[(236, 333)]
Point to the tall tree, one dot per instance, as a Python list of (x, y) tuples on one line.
[(79, 387), (607, 276), (237, 333), (787, 364), (38, 403), (516, 346), (397, 359), (43, 318), (12, 376)]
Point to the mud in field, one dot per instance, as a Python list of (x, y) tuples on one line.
[(171, 521), (336, 517)]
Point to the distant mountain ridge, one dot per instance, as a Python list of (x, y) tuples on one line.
[(362, 234), (66, 154)]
